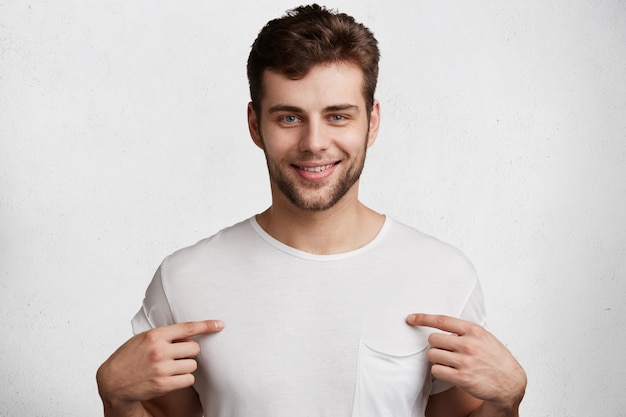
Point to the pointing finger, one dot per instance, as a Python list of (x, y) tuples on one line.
[(445, 323), (182, 331)]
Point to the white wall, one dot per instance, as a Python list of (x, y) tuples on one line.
[(123, 138)]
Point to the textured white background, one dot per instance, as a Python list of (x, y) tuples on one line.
[(123, 138)]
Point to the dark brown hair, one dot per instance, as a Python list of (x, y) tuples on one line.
[(307, 36)]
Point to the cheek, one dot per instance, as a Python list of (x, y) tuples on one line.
[(278, 142), (274, 146)]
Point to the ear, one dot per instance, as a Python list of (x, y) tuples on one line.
[(374, 123), (253, 126)]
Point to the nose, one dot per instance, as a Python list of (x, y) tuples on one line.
[(315, 138)]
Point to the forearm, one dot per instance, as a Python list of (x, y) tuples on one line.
[(491, 409), (508, 402), (133, 409), (113, 405)]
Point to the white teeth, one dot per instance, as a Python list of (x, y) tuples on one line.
[(317, 169)]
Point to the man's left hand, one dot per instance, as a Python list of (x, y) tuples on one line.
[(474, 360)]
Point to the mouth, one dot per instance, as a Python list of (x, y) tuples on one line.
[(318, 168), (316, 173)]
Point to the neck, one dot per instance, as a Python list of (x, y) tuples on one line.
[(346, 226)]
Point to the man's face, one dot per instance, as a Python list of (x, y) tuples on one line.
[(315, 132)]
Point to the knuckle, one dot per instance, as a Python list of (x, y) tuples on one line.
[(152, 336), (158, 371), (160, 384), (465, 363), (441, 320), (477, 331), (472, 348), (189, 327), (465, 378), (155, 355)]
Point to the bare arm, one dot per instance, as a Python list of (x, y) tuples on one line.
[(151, 374), (453, 402), (457, 403), (182, 402), (488, 381)]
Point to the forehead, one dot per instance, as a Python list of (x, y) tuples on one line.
[(324, 85)]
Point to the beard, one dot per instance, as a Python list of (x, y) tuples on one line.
[(316, 196)]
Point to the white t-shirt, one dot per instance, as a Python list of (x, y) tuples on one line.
[(313, 335)]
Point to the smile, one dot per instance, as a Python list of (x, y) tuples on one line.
[(317, 168)]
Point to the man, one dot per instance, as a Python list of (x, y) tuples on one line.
[(311, 307)]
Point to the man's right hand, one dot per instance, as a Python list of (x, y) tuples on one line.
[(152, 364)]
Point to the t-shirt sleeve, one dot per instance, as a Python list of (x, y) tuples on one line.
[(155, 310), (474, 311)]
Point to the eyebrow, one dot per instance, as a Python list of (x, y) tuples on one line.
[(341, 107), (295, 109), (285, 108)]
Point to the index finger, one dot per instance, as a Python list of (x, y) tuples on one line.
[(181, 331), (436, 321)]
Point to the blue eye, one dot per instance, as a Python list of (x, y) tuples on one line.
[(290, 119), (337, 118)]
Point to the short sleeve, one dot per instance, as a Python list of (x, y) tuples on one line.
[(474, 311), (155, 310)]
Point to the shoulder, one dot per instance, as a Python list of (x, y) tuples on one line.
[(432, 260), (409, 240), (222, 244), (450, 276)]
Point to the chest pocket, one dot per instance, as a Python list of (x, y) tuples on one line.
[(389, 385)]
